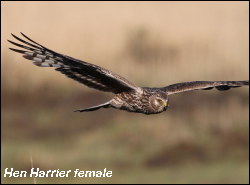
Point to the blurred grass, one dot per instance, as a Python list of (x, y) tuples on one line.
[(222, 171), (202, 138)]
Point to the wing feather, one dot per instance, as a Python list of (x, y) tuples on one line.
[(88, 74), (203, 85)]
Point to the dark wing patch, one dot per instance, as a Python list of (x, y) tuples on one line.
[(88, 74), (203, 85)]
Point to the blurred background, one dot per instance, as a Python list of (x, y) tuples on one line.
[(202, 138)]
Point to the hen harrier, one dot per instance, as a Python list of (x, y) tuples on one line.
[(128, 96)]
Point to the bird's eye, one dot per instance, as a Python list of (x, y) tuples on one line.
[(160, 101)]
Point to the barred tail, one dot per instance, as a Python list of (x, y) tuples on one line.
[(104, 105)]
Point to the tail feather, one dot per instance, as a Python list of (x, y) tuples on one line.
[(104, 105)]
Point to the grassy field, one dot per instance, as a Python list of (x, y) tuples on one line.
[(202, 138)]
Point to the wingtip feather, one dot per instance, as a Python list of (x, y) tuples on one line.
[(17, 50), (23, 34)]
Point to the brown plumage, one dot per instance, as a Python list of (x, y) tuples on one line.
[(128, 96)]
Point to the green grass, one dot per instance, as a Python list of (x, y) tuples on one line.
[(160, 149), (226, 171)]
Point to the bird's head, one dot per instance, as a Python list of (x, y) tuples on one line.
[(159, 102)]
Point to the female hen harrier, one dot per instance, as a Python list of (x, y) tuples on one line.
[(128, 96)]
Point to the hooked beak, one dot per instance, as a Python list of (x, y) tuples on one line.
[(165, 105)]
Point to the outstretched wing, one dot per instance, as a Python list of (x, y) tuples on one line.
[(203, 85), (88, 74)]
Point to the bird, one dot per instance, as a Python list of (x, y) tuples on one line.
[(127, 95)]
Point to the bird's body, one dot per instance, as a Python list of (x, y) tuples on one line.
[(134, 101), (140, 102), (128, 96)]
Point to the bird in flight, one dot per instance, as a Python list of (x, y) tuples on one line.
[(127, 96)]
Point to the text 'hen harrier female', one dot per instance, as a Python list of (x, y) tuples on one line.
[(128, 96)]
